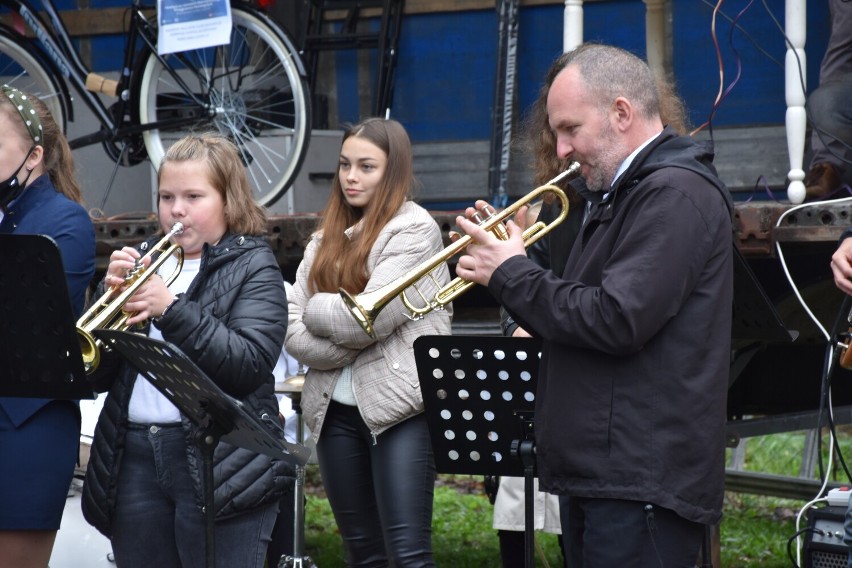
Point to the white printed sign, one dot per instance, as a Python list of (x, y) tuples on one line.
[(192, 24)]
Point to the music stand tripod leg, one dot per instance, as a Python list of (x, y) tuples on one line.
[(207, 442), (298, 560)]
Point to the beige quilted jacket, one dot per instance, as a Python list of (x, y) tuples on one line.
[(323, 334)]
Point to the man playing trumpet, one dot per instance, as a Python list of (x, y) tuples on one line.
[(630, 408)]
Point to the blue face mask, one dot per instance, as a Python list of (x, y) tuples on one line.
[(11, 188)]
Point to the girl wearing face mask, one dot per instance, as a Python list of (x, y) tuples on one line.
[(227, 312), (361, 397), (39, 438)]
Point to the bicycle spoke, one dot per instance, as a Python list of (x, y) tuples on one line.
[(21, 69), (251, 91)]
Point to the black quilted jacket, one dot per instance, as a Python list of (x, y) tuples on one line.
[(231, 322)]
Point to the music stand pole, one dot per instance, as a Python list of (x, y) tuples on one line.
[(207, 441), (524, 451), (298, 560)]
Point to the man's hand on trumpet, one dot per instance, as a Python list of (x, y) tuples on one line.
[(486, 252), (151, 299)]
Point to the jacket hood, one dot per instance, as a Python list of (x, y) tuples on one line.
[(672, 150)]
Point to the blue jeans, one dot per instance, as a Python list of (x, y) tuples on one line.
[(381, 490), (158, 520)]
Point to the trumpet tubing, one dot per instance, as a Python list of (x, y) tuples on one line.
[(366, 307), (108, 312)]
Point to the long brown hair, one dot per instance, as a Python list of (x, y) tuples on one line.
[(539, 138), (341, 260), (57, 160), (226, 173)]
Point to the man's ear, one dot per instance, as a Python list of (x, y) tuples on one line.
[(622, 113)]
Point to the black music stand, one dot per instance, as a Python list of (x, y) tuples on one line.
[(755, 316), (755, 319), (39, 351), (218, 415), (479, 398)]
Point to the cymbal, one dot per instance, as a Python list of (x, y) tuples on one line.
[(291, 384)]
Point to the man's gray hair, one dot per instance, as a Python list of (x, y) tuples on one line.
[(611, 72)]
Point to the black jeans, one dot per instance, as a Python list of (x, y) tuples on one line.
[(281, 543), (380, 490), (157, 517), (602, 533)]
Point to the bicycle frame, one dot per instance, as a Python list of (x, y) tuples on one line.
[(59, 51), (252, 89)]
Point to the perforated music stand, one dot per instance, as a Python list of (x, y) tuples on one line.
[(479, 398), (39, 351), (218, 415)]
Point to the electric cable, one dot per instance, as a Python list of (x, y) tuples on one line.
[(825, 409), (796, 536), (826, 405), (749, 37)]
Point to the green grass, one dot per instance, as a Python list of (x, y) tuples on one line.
[(461, 533), (755, 529), (753, 534)]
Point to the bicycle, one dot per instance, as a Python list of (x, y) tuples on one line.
[(253, 89)]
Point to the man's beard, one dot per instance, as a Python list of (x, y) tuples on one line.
[(610, 152)]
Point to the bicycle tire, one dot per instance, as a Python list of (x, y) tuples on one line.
[(20, 68), (252, 90)]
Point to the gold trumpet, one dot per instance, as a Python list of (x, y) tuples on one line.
[(366, 307), (108, 312)]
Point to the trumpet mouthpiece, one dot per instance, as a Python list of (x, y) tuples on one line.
[(573, 170), (177, 228)]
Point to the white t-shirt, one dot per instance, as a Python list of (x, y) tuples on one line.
[(147, 404)]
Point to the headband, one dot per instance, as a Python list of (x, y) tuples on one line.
[(25, 108)]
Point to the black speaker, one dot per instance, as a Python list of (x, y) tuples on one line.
[(823, 545)]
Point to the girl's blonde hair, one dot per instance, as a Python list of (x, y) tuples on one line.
[(226, 173)]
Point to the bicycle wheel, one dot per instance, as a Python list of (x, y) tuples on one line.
[(250, 90), (22, 70)]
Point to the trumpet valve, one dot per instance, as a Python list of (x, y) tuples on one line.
[(500, 232), (480, 216), (134, 273)]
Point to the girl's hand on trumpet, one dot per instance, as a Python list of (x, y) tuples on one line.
[(121, 263), (486, 253), (151, 299)]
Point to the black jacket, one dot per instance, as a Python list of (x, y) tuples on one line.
[(551, 251), (636, 338), (231, 322)]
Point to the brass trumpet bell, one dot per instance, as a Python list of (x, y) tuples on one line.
[(108, 312), (366, 307)]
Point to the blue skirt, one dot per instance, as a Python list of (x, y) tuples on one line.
[(37, 462)]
